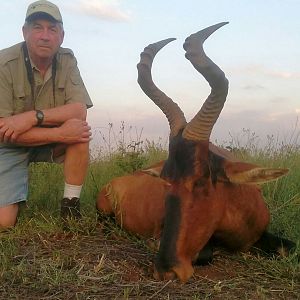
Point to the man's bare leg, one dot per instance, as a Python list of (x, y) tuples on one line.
[(8, 215), (75, 168), (76, 163)]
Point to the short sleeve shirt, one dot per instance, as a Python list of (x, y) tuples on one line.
[(15, 89)]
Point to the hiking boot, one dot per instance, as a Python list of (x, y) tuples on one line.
[(70, 209)]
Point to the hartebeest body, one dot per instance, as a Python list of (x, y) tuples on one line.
[(200, 193)]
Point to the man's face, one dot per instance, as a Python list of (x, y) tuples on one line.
[(43, 38)]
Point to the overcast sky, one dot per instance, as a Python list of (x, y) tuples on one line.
[(259, 50)]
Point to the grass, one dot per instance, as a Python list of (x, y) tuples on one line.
[(38, 260)]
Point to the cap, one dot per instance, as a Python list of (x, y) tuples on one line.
[(43, 8)]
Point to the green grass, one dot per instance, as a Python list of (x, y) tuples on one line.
[(38, 260)]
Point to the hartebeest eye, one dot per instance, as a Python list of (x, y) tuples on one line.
[(200, 183), (202, 180)]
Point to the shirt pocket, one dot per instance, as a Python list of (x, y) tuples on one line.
[(22, 101), (60, 96)]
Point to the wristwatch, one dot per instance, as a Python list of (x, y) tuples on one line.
[(39, 116)]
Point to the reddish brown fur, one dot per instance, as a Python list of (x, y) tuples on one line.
[(235, 214), (140, 202)]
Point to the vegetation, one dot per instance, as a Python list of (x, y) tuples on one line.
[(38, 260)]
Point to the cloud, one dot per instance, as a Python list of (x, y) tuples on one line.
[(262, 70), (279, 100), (283, 74), (108, 10), (248, 125), (275, 116), (254, 87)]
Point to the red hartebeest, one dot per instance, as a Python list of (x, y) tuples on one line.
[(200, 194)]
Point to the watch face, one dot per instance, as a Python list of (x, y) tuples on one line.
[(40, 115)]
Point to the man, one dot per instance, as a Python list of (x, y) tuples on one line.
[(43, 104)]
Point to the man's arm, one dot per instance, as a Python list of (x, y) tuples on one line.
[(58, 115), (13, 126), (70, 132)]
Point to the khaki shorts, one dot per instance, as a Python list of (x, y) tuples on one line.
[(14, 162)]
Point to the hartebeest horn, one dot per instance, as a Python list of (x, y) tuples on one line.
[(200, 127), (172, 111)]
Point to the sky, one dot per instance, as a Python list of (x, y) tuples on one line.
[(259, 51)]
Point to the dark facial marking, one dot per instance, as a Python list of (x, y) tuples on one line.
[(166, 257), (180, 162), (216, 167)]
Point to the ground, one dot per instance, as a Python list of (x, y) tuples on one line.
[(109, 264)]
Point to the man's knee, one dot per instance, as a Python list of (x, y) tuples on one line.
[(81, 149), (76, 147), (82, 146), (8, 216)]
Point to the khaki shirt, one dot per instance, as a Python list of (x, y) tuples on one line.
[(15, 90)]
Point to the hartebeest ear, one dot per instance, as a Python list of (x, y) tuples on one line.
[(245, 173), (153, 171)]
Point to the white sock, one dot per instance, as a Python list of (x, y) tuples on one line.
[(72, 191)]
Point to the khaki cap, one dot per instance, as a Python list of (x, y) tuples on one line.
[(44, 7)]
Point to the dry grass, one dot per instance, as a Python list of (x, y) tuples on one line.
[(91, 263)]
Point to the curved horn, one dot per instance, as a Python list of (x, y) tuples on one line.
[(172, 111), (200, 127)]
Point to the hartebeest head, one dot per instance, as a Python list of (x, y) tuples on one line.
[(194, 205)]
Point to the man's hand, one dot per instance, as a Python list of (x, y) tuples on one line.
[(11, 127), (74, 131)]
